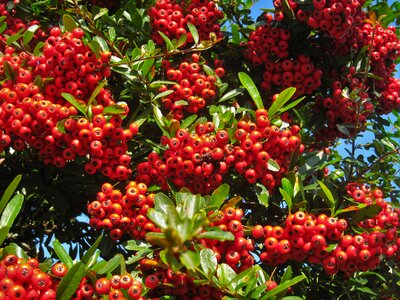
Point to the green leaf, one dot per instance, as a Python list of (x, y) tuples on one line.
[(292, 298), (225, 274), (194, 32), (91, 251), (163, 204), (16, 250), (111, 33), (262, 194), (283, 286), (61, 126), (9, 192), (134, 245), (14, 38), (71, 99), (231, 94), (70, 281), (168, 43), (287, 198), (38, 49), (11, 211), (159, 218), (113, 110), (250, 86), (111, 265), (159, 118), (162, 95), (62, 254), (292, 104), (69, 22), (327, 196), (148, 63), (95, 47), (3, 234), (219, 195), (219, 235), (288, 187), (188, 121), (280, 101), (182, 40), (366, 213), (103, 44), (208, 262), (96, 91), (29, 33), (190, 260), (287, 275), (9, 71), (273, 165)]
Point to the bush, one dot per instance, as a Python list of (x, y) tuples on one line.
[(186, 150)]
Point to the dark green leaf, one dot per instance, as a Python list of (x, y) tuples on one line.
[(148, 63), (91, 251), (280, 101), (219, 195), (9, 71), (62, 254), (168, 43), (219, 235), (287, 198), (9, 192), (366, 213), (16, 250), (3, 234), (112, 264), (11, 211), (95, 47), (231, 94), (327, 196), (61, 126), (250, 86), (70, 281), (194, 32), (113, 110), (69, 22), (71, 99), (283, 286)]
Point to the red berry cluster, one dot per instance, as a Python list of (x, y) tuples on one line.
[(14, 25), (31, 114), (385, 51), (194, 88), (336, 19), (304, 237), (235, 253), (171, 18), (20, 279), (341, 109), (300, 73), (73, 65), (385, 223), (122, 213), (267, 43), (162, 282), (116, 287), (200, 160)]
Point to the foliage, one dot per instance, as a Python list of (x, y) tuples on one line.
[(186, 149)]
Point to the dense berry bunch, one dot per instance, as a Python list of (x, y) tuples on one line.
[(73, 65), (194, 89), (267, 43), (200, 160), (20, 279), (235, 253), (33, 112), (123, 213), (335, 19), (117, 287), (171, 18), (299, 72)]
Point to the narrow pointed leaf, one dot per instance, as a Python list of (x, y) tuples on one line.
[(62, 254), (280, 101), (70, 281), (250, 86), (71, 99), (9, 191), (194, 32), (91, 251)]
